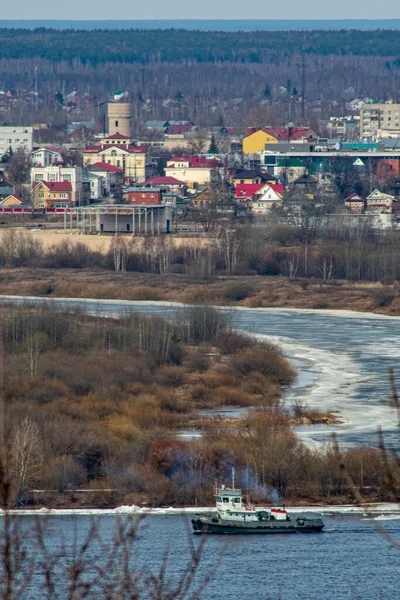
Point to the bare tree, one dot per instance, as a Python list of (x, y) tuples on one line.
[(120, 254), (26, 455), (198, 142), (34, 345)]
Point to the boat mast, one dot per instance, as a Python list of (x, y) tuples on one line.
[(233, 478)]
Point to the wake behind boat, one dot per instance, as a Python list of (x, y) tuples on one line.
[(234, 516)]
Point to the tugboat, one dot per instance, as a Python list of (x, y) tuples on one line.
[(234, 516)]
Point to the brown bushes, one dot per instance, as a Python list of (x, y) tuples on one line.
[(265, 359)]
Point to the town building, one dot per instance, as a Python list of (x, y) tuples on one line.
[(51, 194), (11, 200), (380, 203), (115, 150), (355, 203), (16, 138), (58, 174), (6, 189), (170, 183), (380, 120), (112, 177), (249, 176), (46, 156), (193, 170), (144, 195), (268, 197)]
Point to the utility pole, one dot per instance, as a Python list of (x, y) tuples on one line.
[(303, 89)]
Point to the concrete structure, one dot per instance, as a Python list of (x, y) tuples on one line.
[(120, 118), (380, 120), (55, 173), (15, 138), (120, 218)]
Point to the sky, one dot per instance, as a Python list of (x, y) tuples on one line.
[(204, 9)]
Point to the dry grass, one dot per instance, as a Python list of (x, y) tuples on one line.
[(267, 292)]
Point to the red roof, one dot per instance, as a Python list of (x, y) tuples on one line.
[(107, 167), (56, 186), (290, 133), (175, 129), (196, 161), (117, 136), (163, 181), (278, 187), (246, 190), (94, 149)]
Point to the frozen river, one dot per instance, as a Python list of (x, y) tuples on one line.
[(342, 358)]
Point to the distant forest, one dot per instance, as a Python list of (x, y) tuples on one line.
[(181, 46), (203, 68)]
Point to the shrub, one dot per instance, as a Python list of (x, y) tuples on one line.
[(231, 341), (200, 392), (227, 396), (145, 292), (383, 296), (237, 291), (266, 359), (170, 376), (197, 361)]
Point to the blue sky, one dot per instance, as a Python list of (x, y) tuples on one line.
[(203, 9)]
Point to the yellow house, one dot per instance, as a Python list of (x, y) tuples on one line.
[(11, 201), (255, 142), (52, 194)]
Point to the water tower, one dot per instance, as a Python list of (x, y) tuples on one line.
[(119, 118)]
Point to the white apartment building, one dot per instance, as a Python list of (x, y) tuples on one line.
[(380, 120), (14, 138), (58, 173)]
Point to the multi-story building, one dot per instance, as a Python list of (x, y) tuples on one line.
[(50, 194), (15, 138), (116, 150), (57, 174), (380, 120)]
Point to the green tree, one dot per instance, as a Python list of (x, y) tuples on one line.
[(213, 148)]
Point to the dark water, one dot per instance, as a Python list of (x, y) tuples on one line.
[(350, 560)]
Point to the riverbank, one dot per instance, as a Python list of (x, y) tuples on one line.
[(378, 511), (243, 291)]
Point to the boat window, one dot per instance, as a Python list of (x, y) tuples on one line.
[(236, 499), (219, 499), (225, 499)]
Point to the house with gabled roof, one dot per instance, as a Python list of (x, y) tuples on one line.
[(11, 200), (270, 195), (355, 203), (380, 203), (51, 194)]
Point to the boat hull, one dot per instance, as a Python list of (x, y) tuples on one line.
[(202, 525)]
